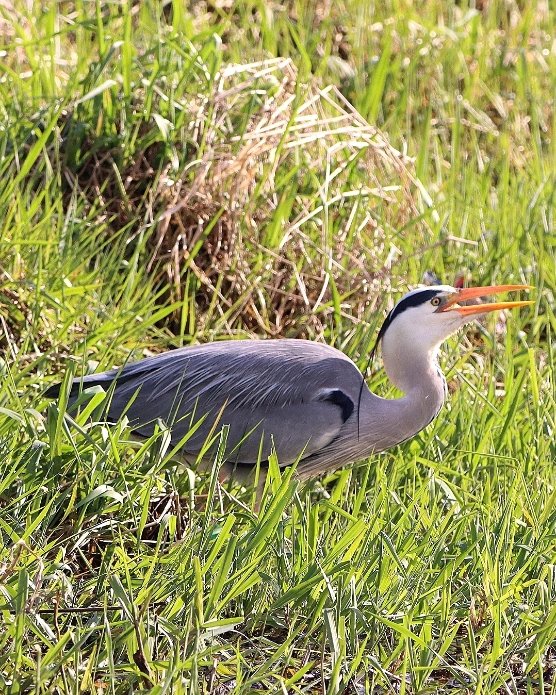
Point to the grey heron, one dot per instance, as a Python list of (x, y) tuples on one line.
[(304, 400)]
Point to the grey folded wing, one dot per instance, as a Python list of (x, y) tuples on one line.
[(289, 395)]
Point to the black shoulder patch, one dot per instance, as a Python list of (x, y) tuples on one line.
[(344, 402)]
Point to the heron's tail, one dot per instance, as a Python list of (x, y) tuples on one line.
[(104, 380)]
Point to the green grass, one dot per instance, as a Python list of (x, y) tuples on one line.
[(430, 569)]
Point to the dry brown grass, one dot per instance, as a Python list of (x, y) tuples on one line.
[(220, 217)]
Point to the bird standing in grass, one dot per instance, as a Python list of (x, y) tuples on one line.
[(306, 401)]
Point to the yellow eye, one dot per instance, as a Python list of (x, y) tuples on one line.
[(435, 301)]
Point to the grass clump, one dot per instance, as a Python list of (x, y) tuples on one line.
[(256, 134), (172, 175)]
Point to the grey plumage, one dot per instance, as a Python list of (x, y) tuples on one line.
[(305, 400), (286, 397)]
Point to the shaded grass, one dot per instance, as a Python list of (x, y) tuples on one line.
[(430, 570)]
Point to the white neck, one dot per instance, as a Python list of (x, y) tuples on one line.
[(391, 421)]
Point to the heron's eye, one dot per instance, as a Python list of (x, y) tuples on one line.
[(435, 301)]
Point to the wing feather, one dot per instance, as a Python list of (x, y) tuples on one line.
[(292, 395)]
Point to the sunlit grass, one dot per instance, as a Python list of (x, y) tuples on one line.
[(431, 568)]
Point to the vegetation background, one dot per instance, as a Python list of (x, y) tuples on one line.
[(175, 172)]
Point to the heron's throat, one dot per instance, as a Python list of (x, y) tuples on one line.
[(418, 375), (392, 421)]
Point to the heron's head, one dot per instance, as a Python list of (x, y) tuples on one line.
[(425, 317)]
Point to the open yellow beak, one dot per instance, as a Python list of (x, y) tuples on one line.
[(464, 295)]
